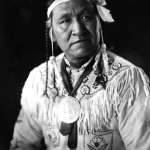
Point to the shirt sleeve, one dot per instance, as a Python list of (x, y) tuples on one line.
[(27, 134), (134, 109), (27, 131)]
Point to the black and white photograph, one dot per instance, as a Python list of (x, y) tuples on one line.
[(74, 75)]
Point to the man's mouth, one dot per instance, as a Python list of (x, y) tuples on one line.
[(82, 41)]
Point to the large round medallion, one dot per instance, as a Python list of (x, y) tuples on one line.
[(68, 109)]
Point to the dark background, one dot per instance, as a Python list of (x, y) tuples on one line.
[(22, 47)]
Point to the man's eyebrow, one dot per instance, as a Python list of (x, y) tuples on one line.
[(65, 15), (86, 10)]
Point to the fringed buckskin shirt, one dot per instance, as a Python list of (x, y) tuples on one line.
[(114, 115)]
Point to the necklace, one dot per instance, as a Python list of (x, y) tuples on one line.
[(72, 128)]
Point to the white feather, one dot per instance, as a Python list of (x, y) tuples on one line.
[(105, 14)]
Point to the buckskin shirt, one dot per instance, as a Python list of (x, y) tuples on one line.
[(115, 111)]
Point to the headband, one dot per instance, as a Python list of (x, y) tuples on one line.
[(53, 5), (104, 13)]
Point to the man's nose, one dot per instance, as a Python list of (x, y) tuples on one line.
[(78, 28)]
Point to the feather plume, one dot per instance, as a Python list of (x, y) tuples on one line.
[(105, 14)]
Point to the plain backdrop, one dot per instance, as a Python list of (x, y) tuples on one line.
[(22, 47)]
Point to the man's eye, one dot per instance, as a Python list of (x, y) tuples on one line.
[(64, 21), (86, 18)]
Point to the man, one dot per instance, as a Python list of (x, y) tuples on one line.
[(85, 98)]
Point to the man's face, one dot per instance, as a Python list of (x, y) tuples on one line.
[(76, 29)]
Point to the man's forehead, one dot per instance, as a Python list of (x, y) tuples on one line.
[(73, 6)]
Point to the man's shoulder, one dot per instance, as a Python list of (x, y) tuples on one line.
[(39, 74), (41, 68), (121, 68), (34, 88), (114, 59), (118, 65)]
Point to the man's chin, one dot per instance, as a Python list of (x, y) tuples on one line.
[(81, 52), (81, 56)]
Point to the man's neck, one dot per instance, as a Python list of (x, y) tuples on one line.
[(77, 63)]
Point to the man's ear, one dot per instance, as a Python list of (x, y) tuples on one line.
[(51, 35)]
